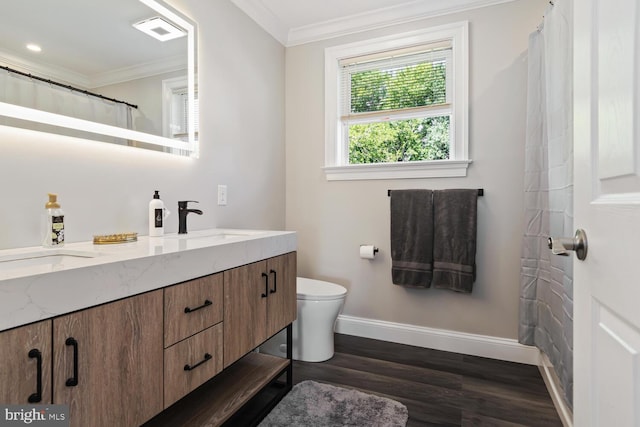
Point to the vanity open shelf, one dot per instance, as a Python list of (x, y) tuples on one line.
[(216, 401)]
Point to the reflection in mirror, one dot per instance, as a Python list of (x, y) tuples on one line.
[(89, 73)]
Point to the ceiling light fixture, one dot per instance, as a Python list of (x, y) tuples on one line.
[(34, 47), (159, 29)]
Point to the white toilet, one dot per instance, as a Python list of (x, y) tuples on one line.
[(319, 304)]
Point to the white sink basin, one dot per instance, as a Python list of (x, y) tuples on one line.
[(43, 257), (215, 235)]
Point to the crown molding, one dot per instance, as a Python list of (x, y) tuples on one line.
[(66, 76), (59, 74), (257, 11), (138, 71), (407, 12)]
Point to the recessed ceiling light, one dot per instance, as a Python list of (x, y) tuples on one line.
[(34, 47), (159, 29)]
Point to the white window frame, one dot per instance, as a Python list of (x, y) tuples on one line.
[(336, 159), (169, 88)]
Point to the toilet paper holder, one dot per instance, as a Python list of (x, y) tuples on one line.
[(368, 255)]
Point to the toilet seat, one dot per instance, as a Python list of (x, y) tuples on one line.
[(318, 290)]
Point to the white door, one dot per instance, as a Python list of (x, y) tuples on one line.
[(607, 207)]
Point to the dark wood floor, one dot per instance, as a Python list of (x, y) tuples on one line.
[(439, 388)]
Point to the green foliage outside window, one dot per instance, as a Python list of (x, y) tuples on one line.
[(399, 140)]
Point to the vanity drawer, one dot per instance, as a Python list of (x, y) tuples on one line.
[(191, 363), (191, 307)]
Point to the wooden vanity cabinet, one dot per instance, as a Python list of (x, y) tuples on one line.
[(245, 310), (124, 362), (107, 361), (259, 301), (192, 335), (22, 349), (282, 306)]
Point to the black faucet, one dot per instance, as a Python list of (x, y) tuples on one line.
[(182, 215)]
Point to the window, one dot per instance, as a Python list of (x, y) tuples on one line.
[(179, 114), (396, 107), (176, 109)]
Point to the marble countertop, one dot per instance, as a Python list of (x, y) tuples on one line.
[(40, 286)]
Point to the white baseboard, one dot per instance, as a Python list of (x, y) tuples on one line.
[(439, 339), (555, 390)]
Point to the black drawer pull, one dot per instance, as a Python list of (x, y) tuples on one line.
[(275, 282), (191, 310), (37, 396), (266, 285), (207, 356), (73, 381)]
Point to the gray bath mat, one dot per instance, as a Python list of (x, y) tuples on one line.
[(312, 404)]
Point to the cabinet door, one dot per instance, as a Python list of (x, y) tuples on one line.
[(282, 301), (245, 310), (19, 362), (116, 357), (191, 307)]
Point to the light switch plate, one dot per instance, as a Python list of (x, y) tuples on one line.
[(222, 195)]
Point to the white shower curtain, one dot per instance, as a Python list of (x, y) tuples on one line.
[(546, 285), (27, 92)]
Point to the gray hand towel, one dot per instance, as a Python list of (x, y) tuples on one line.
[(454, 248), (412, 237)]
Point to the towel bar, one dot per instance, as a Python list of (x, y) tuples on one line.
[(480, 192)]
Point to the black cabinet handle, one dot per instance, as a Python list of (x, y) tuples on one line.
[(275, 282), (37, 396), (207, 356), (266, 285), (191, 310), (73, 381)]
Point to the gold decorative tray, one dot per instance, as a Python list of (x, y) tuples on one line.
[(110, 239)]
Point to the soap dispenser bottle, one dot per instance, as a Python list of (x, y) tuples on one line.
[(156, 216), (53, 234)]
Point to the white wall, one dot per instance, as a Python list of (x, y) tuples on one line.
[(334, 218), (105, 188)]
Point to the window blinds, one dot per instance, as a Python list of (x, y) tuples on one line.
[(407, 81), (181, 101)]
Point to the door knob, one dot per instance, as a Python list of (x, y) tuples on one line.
[(562, 245)]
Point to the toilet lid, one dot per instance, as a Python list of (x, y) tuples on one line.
[(311, 289)]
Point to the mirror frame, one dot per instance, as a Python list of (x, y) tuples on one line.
[(190, 147)]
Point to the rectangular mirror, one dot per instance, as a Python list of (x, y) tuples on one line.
[(82, 69)]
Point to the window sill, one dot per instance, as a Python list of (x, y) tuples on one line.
[(400, 170)]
